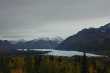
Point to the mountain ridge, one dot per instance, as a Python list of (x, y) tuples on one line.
[(31, 44), (92, 40)]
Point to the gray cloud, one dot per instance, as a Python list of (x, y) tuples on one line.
[(26, 16)]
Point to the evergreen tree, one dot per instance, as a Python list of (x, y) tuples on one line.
[(4, 68), (28, 64), (84, 66)]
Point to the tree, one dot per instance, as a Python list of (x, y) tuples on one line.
[(4, 68), (84, 65)]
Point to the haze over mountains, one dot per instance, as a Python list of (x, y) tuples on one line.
[(92, 40)]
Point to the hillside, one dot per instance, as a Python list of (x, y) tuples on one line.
[(92, 40)]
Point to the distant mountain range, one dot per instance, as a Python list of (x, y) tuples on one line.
[(92, 40), (43, 43)]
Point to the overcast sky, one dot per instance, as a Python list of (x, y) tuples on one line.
[(29, 19)]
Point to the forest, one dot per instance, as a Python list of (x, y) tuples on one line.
[(53, 64)]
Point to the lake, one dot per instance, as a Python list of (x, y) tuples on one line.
[(61, 52)]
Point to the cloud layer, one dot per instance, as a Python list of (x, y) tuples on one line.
[(50, 17)]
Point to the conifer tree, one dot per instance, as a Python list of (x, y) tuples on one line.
[(84, 66), (4, 68)]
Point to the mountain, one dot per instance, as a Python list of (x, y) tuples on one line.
[(92, 40), (32, 44)]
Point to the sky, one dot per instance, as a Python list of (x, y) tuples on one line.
[(30, 19)]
